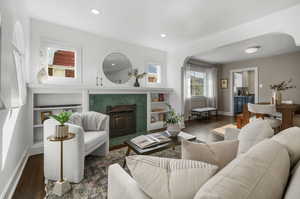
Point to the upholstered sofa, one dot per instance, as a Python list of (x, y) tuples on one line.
[(268, 170), (92, 137)]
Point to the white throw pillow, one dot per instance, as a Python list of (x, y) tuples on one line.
[(290, 139), (76, 119), (163, 178), (253, 133), (216, 153), (93, 121)]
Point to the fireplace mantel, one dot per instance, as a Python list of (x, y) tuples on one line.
[(50, 88)]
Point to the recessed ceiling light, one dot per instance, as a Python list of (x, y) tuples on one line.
[(113, 64), (95, 11), (163, 35), (252, 49)]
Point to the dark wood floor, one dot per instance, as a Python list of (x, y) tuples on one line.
[(31, 184)]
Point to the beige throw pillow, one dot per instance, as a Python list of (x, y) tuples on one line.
[(163, 178), (253, 133), (217, 153), (290, 139), (261, 173)]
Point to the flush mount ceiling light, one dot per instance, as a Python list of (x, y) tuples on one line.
[(113, 64), (252, 49), (163, 35), (95, 11)]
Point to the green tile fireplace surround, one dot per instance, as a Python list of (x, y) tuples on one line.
[(99, 102)]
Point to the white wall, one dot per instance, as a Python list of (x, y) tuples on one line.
[(14, 132), (94, 49), (284, 21)]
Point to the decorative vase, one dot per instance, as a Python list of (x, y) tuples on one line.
[(276, 97), (41, 75), (61, 131), (136, 84), (173, 129)]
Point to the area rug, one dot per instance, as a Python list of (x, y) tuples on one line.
[(94, 184)]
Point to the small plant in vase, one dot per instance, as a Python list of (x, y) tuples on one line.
[(278, 88), (62, 130), (173, 121), (137, 76)]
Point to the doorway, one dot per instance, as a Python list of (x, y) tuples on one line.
[(243, 89)]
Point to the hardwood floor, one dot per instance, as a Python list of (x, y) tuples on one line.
[(31, 184)]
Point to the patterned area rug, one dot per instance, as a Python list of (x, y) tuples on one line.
[(94, 184)]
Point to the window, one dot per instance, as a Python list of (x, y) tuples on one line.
[(61, 62), (198, 83), (153, 74)]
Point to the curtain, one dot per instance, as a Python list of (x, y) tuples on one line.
[(212, 87), (186, 90), (210, 98), (19, 98)]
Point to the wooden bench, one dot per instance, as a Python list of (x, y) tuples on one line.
[(199, 112)]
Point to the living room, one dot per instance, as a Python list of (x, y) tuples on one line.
[(114, 99)]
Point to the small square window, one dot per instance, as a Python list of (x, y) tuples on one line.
[(153, 74), (61, 63)]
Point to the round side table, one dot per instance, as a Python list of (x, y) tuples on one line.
[(61, 186)]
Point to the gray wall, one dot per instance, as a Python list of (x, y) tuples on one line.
[(270, 70)]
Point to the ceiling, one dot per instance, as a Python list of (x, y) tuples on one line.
[(271, 44), (142, 21)]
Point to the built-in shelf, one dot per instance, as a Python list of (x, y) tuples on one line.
[(56, 108), (56, 98), (163, 102), (156, 112)]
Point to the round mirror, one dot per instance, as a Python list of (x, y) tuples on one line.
[(117, 67)]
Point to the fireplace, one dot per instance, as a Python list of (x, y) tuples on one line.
[(122, 120)]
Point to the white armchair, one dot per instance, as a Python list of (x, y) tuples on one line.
[(92, 137)]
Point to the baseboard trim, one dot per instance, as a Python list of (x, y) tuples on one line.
[(14, 179), (225, 113), (36, 149)]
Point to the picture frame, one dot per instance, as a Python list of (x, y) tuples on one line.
[(45, 115), (224, 83)]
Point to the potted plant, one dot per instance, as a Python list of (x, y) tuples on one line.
[(278, 88), (173, 121), (62, 130), (137, 76)]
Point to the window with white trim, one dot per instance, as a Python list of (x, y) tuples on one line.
[(61, 62), (153, 74), (198, 82)]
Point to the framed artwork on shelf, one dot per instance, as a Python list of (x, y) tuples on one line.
[(45, 115), (224, 83)]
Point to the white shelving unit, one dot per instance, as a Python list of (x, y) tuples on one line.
[(48, 97), (51, 102), (158, 110)]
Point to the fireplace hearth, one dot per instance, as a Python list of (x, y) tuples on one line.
[(122, 120)]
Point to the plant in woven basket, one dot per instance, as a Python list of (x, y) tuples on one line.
[(173, 121)]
